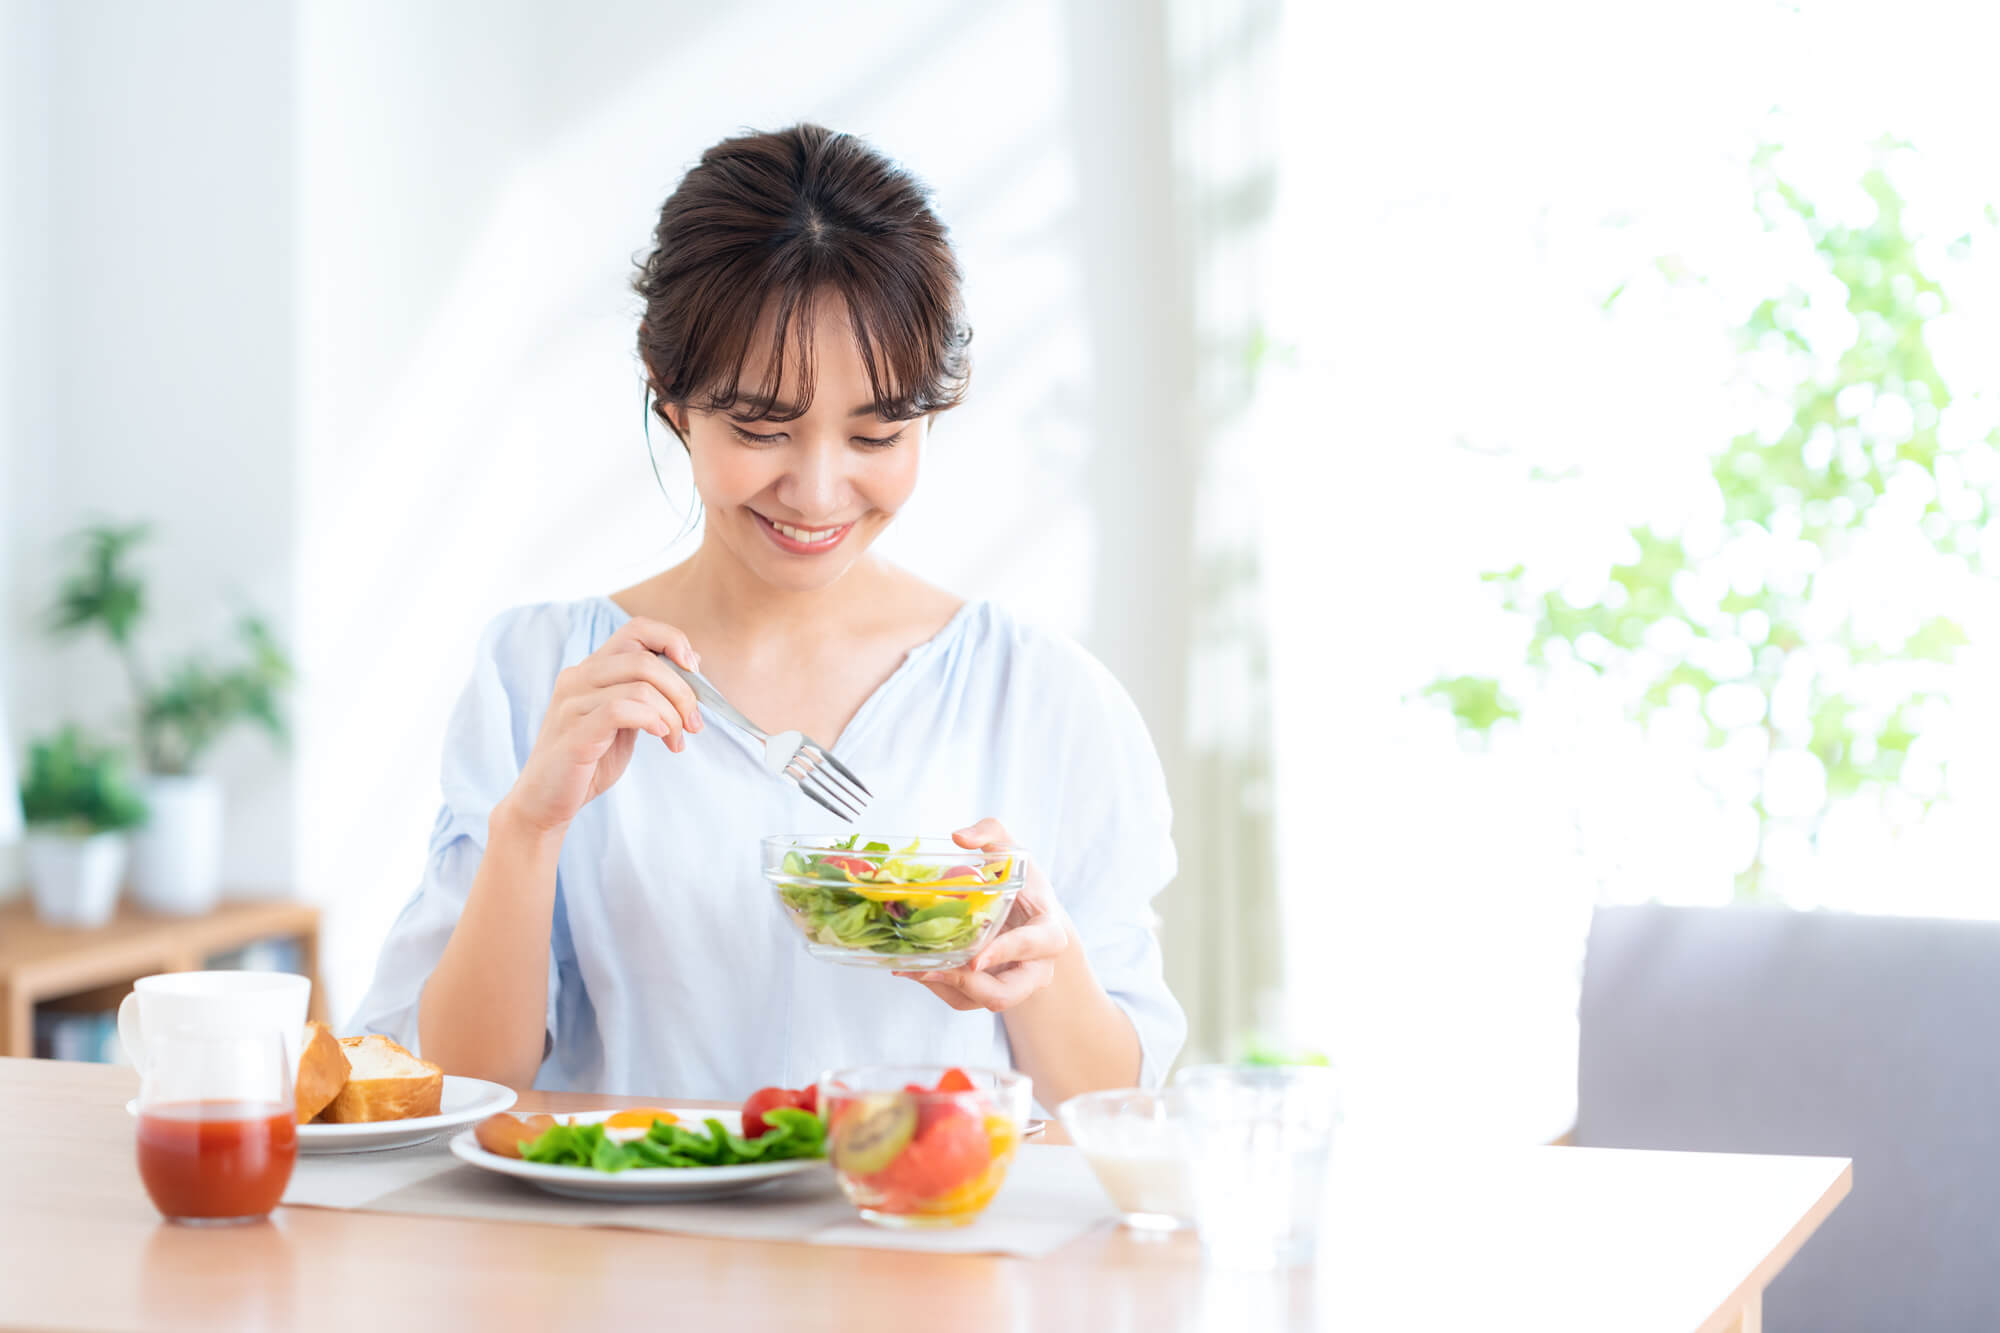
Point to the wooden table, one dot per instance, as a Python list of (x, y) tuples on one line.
[(96, 966), (1550, 1239)]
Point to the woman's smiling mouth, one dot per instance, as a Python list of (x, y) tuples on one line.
[(802, 541)]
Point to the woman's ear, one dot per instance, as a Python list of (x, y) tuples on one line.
[(674, 414)]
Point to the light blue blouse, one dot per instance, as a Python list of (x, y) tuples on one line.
[(672, 969)]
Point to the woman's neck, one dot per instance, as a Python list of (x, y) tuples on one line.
[(712, 596)]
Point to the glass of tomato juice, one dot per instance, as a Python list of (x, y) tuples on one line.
[(216, 1132)]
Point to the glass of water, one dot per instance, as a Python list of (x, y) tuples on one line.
[(1258, 1138)]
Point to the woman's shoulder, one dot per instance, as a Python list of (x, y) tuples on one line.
[(538, 639), (1034, 657)]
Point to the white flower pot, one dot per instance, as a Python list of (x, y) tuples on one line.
[(177, 857), (75, 878)]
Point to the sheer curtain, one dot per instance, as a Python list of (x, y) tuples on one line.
[(1224, 915), (1174, 177)]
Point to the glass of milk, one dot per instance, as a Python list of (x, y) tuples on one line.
[(1135, 1147)]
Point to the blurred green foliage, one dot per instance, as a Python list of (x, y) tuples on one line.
[(1860, 409), (1260, 1052), (76, 786), (186, 713)]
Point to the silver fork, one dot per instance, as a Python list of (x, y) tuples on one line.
[(790, 754)]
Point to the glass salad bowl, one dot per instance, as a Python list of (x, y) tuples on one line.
[(922, 1145), (913, 904)]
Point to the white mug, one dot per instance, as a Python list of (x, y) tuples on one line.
[(222, 1003)]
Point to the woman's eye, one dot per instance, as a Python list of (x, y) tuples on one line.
[(865, 441)]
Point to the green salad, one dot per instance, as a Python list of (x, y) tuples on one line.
[(864, 896), (790, 1133)]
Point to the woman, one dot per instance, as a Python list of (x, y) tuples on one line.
[(592, 916)]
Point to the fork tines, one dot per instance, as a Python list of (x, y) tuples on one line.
[(826, 780)]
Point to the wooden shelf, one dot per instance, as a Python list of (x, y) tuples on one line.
[(93, 969)]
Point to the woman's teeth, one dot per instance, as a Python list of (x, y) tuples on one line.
[(809, 536)]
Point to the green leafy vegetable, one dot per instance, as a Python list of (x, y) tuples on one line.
[(792, 1134)]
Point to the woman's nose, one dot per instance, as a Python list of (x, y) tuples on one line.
[(812, 487)]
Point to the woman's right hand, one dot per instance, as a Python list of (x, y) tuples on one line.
[(595, 714)]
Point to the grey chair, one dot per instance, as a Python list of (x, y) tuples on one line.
[(1772, 1031)]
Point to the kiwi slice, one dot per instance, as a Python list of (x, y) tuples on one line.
[(869, 1133)]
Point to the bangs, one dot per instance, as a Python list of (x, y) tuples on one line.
[(907, 377)]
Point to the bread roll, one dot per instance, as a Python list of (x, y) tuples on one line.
[(322, 1070), (384, 1082)]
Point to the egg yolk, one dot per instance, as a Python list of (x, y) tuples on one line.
[(639, 1117)]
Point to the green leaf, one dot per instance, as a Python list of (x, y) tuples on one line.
[(103, 591), (1476, 701), (1938, 639), (951, 907)]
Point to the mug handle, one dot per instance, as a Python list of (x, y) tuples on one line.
[(128, 1030)]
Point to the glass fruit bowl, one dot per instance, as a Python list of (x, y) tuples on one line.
[(914, 904), (922, 1145)]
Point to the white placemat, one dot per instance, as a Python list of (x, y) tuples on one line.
[(1049, 1199)]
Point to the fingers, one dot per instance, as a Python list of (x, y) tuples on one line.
[(962, 988), (633, 715), (1042, 937), (602, 670), (634, 705), (653, 636), (986, 833), (945, 991)]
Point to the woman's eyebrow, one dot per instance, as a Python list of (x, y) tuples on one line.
[(766, 409)]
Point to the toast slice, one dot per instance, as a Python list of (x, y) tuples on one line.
[(322, 1070), (384, 1082)]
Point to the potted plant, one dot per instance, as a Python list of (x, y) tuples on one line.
[(78, 805), (177, 858)]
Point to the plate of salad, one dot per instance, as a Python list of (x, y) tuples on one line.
[(654, 1154), (913, 904)]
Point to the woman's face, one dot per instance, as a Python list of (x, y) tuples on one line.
[(797, 502)]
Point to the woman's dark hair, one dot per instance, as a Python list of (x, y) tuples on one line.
[(772, 222)]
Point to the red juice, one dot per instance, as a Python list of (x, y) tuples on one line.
[(217, 1160)]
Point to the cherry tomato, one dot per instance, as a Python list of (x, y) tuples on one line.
[(954, 1080), (770, 1099), (762, 1100), (853, 865)]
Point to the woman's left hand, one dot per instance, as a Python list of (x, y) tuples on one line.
[(1022, 957)]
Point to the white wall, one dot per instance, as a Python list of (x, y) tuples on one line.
[(149, 283), (23, 105), (478, 179)]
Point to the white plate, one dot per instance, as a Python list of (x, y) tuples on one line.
[(465, 1101), (642, 1184)]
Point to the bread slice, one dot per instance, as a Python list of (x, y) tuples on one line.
[(322, 1070), (384, 1082)]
